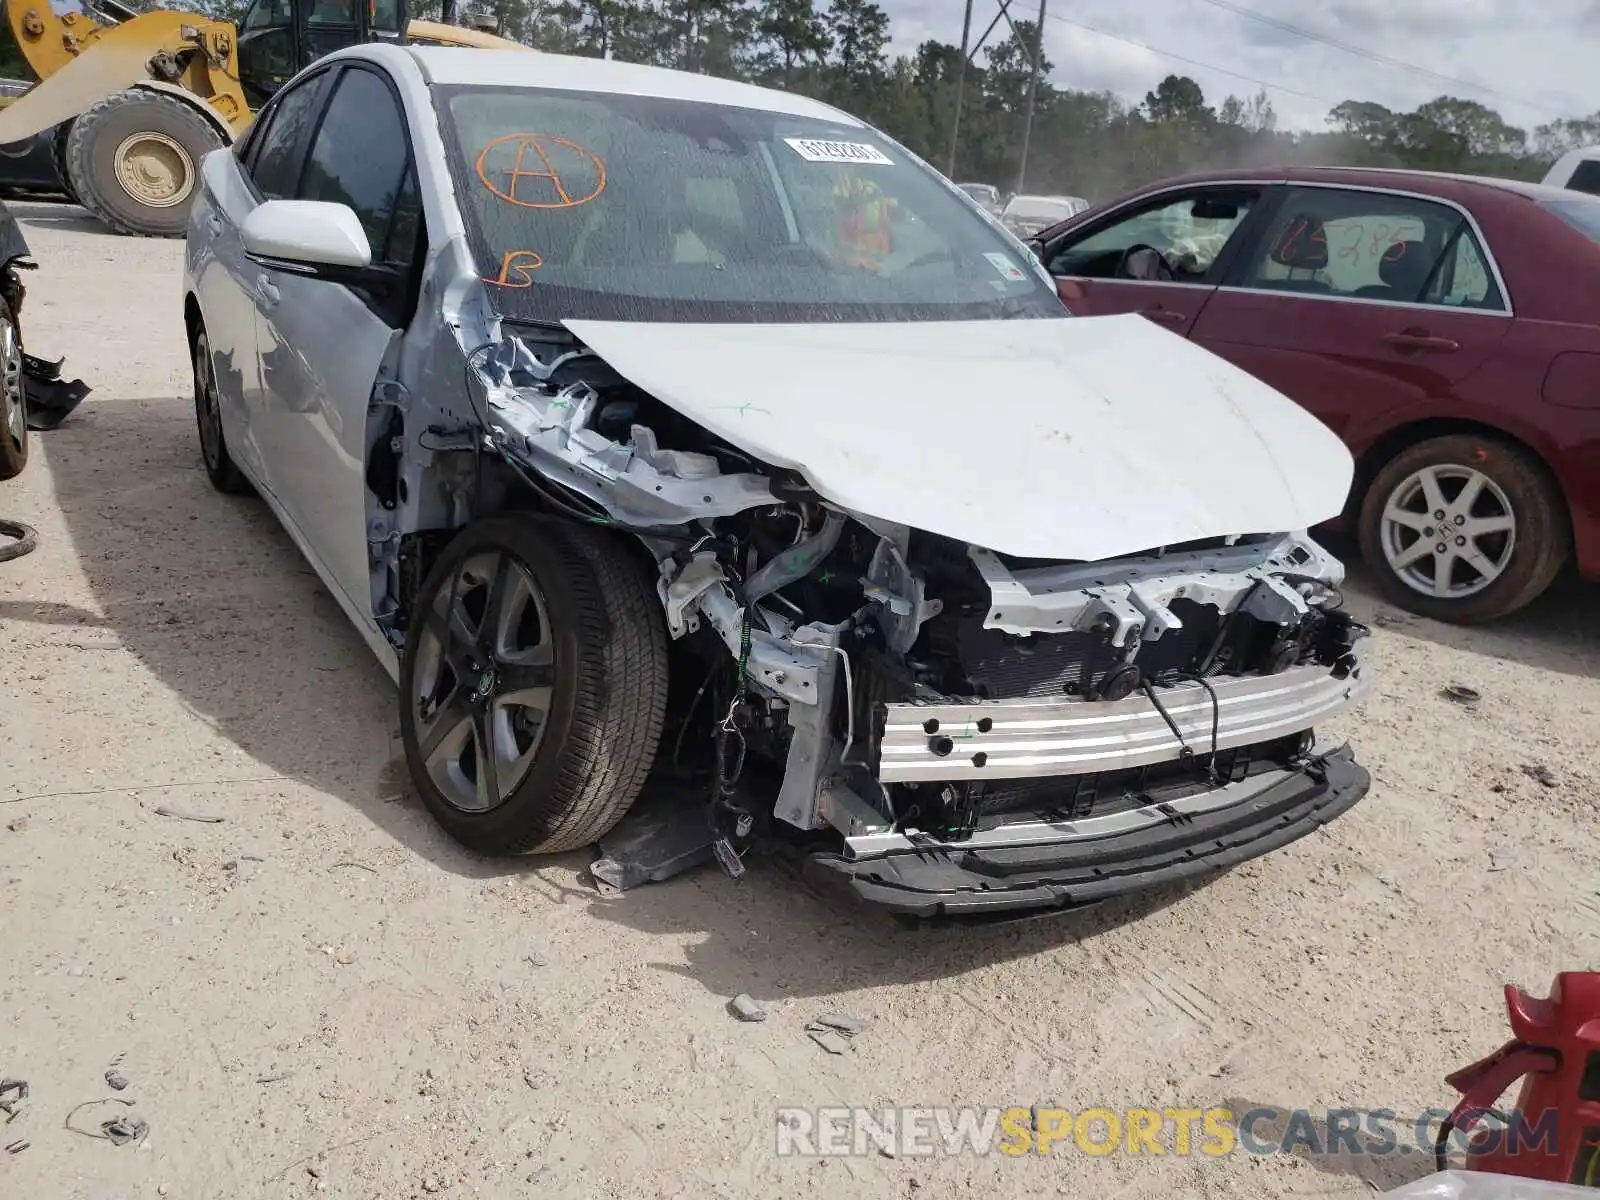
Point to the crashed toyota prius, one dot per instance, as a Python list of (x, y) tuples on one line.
[(677, 441)]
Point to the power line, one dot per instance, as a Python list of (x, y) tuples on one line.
[(1193, 62), (1371, 55)]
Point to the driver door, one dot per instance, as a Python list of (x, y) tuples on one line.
[(1195, 231)]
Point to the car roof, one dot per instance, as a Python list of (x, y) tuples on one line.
[(1441, 183), (470, 66)]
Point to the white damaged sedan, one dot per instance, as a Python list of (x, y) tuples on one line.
[(673, 437)]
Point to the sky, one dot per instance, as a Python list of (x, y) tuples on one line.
[(1530, 60)]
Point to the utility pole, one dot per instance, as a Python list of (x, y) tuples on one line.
[(961, 83), (1033, 87)]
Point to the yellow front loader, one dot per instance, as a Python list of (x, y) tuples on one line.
[(138, 98)]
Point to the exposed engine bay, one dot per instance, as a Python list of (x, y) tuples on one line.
[(899, 690)]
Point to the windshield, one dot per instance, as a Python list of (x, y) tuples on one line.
[(639, 208), (1582, 215)]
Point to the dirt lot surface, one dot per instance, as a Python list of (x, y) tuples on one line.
[(320, 994)]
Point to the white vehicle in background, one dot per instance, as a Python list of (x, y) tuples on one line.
[(656, 426), (1028, 215), (985, 194), (1576, 170)]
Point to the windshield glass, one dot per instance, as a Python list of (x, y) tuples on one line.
[(1582, 215), (619, 207)]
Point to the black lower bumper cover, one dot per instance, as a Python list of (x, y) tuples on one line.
[(949, 881)]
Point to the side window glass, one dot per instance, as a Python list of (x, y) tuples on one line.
[(361, 158), (266, 49), (1372, 246), (1189, 233), (281, 149), (385, 15), (1463, 279)]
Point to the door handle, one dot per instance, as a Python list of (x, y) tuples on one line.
[(1410, 339), (267, 290), (1165, 315)]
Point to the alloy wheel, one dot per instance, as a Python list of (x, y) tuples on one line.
[(11, 385), (484, 681), (208, 414), (1448, 531)]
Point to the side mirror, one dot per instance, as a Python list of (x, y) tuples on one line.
[(315, 238)]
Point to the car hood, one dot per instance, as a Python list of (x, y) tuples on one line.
[(1076, 438)]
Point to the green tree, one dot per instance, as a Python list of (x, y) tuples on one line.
[(793, 36), (1179, 99)]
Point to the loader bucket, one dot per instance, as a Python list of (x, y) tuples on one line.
[(118, 58)]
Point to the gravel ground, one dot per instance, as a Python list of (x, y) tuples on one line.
[(321, 994)]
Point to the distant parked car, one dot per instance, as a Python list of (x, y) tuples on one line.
[(29, 165), (985, 194), (1027, 215), (1447, 327), (1578, 170)]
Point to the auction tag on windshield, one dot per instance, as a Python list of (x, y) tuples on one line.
[(1007, 268), (817, 150)]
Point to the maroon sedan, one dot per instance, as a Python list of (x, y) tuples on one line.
[(1447, 327)]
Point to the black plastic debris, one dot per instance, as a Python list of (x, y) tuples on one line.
[(664, 840), (124, 1129), (50, 398), (12, 1093), (1461, 693), (834, 1031), (849, 1026)]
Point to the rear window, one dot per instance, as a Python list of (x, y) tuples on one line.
[(1586, 178), (1582, 215)]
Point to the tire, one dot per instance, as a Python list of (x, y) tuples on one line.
[(1522, 541), (224, 474), (593, 656), (14, 438), (133, 160), (58, 155)]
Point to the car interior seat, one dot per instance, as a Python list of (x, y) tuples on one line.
[(1301, 247), (1404, 270)]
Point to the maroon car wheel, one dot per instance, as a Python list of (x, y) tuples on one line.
[(1463, 528)]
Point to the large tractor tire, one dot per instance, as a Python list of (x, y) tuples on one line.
[(133, 160), (58, 149)]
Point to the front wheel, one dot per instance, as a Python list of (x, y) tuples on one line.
[(13, 398), (533, 685), (1463, 528), (224, 474)]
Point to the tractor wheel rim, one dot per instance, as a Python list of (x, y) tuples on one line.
[(484, 681), (16, 403), (155, 170), (1448, 531)]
